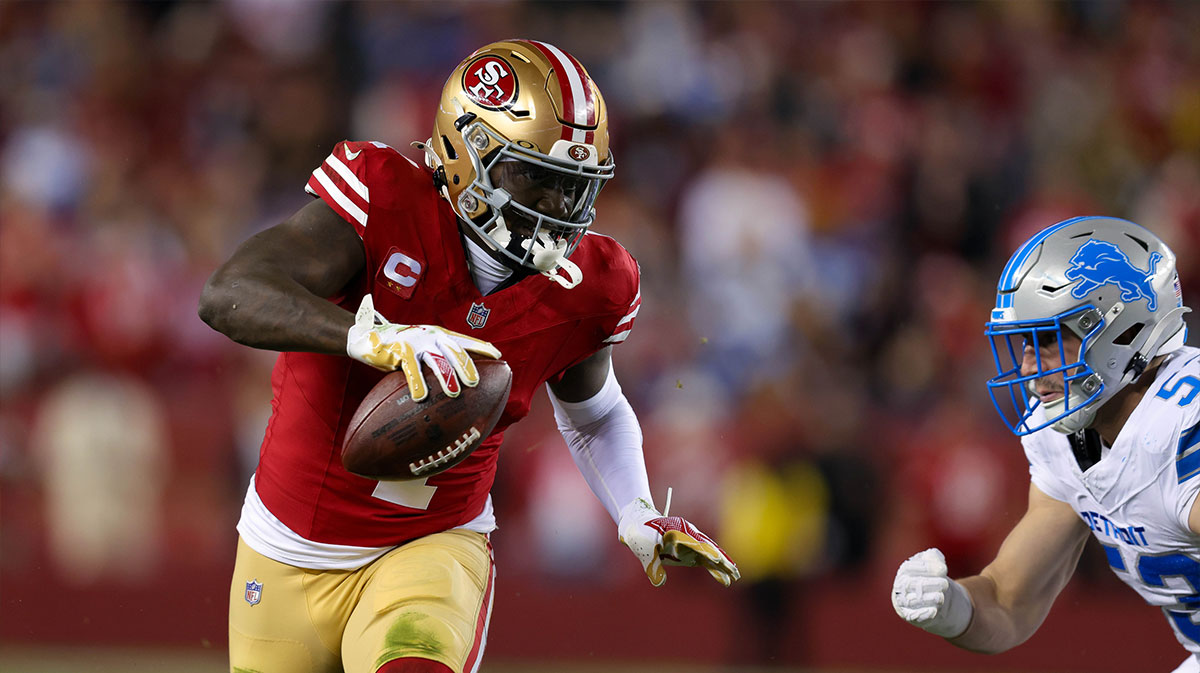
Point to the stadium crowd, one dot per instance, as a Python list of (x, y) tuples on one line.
[(820, 196)]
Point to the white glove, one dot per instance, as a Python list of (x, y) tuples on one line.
[(659, 540), (383, 345), (925, 596)]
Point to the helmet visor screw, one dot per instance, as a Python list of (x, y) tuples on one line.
[(1089, 320)]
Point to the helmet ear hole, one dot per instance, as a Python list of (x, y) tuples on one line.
[(1125, 338), (450, 153)]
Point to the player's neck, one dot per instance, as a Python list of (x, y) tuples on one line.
[(1111, 417), (487, 272)]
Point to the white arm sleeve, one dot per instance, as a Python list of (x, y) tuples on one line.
[(606, 443)]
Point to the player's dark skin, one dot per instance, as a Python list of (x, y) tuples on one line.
[(271, 293)]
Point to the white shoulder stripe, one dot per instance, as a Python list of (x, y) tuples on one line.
[(637, 297), (340, 198), (618, 337), (632, 314), (349, 176)]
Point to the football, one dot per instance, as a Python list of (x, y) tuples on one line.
[(390, 437)]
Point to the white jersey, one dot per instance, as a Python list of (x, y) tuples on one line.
[(1136, 500)]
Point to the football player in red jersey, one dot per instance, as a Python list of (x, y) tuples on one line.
[(386, 269)]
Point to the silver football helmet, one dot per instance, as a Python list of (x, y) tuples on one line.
[(1109, 282)]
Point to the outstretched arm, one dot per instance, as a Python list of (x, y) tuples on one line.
[(1013, 594), (602, 432), (1007, 601), (272, 293), (605, 440)]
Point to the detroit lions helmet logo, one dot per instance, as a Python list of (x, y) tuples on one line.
[(1097, 263)]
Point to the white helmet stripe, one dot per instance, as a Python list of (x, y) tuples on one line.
[(574, 79)]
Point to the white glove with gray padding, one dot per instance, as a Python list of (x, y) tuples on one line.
[(925, 596)]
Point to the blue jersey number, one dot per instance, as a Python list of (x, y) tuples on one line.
[(1188, 385), (1152, 570)]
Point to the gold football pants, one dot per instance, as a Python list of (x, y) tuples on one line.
[(430, 598)]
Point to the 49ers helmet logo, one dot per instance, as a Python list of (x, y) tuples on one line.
[(489, 81), (579, 153)]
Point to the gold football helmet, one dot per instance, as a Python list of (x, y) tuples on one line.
[(528, 102)]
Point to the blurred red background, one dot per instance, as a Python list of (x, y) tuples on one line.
[(821, 196)]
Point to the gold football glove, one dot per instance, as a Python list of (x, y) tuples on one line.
[(659, 541), (388, 346)]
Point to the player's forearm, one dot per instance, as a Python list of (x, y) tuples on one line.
[(997, 626), (1014, 593), (609, 456), (605, 440), (274, 312)]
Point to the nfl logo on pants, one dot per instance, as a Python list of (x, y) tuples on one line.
[(253, 592)]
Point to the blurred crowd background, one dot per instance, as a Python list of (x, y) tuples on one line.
[(821, 197)]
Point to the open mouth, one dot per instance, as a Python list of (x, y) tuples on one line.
[(1048, 394), (522, 225)]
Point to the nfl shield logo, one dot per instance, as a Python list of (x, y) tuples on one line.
[(478, 316), (253, 592)]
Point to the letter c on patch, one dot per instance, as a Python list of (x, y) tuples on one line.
[(402, 269)]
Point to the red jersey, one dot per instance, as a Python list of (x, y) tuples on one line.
[(416, 270)]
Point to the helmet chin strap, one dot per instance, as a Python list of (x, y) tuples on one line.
[(432, 160), (1076, 421), (1156, 344), (549, 258), (573, 275)]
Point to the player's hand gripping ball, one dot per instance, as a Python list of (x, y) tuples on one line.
[(389, 346), (405, 428)]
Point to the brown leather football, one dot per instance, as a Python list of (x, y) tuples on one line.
[(390, 437)]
